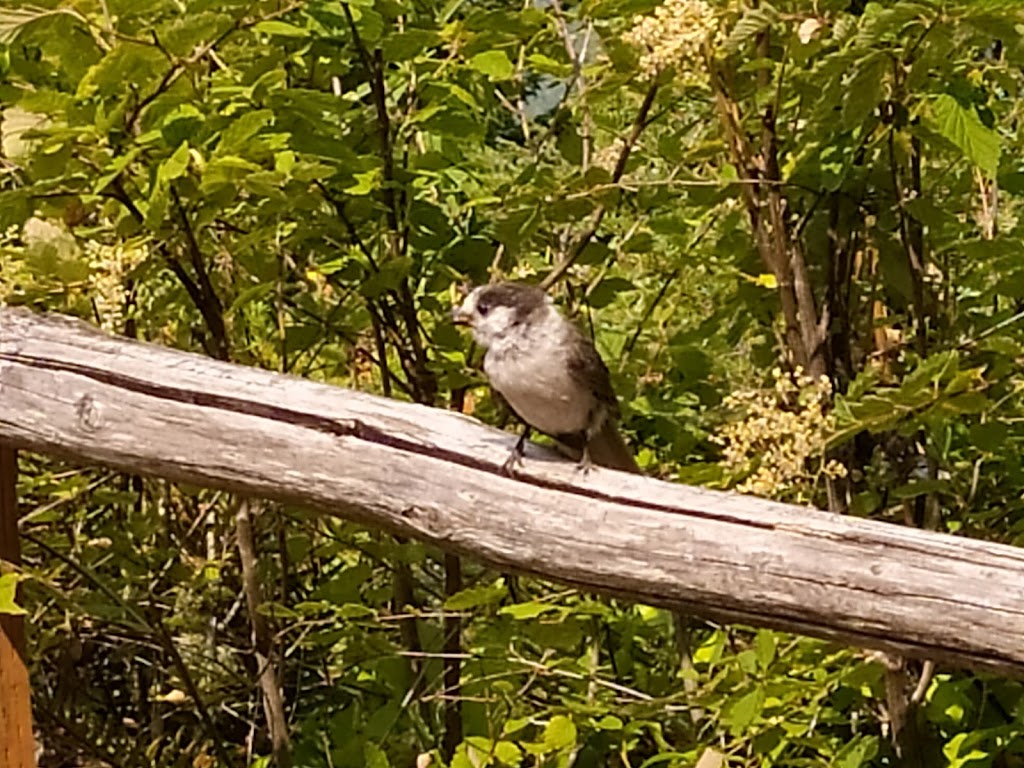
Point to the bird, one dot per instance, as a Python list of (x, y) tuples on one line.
[(550, 375)]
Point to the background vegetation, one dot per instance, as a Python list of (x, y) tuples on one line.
[(793, 231)]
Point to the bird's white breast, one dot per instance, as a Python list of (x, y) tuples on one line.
[(529, 368)]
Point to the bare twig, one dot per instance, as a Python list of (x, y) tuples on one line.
[(452, 661), (273, 701), (576, 246)]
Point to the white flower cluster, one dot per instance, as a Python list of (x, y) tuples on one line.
[(675, 36), (109, 269), (780, 430)]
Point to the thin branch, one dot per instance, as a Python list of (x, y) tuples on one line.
[(180, 66), (263, 647), (576, 247), (209, 304), (452, 661)]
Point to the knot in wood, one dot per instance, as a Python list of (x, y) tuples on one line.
[(88, 412)]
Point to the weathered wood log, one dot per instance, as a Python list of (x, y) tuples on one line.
[(70, 390)]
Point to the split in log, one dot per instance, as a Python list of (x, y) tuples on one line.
[(69, 390)]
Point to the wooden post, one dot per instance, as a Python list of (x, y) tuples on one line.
[(17, 745)]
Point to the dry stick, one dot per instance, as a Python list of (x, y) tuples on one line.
[(385, 315), (578, 80), (575, 248), (210, 306), (450, 492), (452, 661), (423, 381), (273, 702), (753, 167)]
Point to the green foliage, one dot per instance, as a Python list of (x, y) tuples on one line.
[(302, 186)]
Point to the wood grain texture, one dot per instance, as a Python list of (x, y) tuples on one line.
[(67, 389), (17, 743)]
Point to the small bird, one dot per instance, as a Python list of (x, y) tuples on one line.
[(548, 372)]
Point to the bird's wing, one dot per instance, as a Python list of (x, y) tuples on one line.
[(587, 368)]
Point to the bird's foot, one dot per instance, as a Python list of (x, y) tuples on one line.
[(516, 457), (509, 467), (584, 465)]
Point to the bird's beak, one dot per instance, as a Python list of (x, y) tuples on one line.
[(460, 316)]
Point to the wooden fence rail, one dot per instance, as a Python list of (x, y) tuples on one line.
[(69, 390)]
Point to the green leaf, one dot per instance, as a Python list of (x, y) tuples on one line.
[(374, 756), (990, 436), (605, 292), (8, 591), (476, 596), (970, 402), (495, 64), (175, 166), (752, 23), (15, 207), (53, 252), (14, 20), (857, 752), (521, 611), (178, 126), (156, 206), (559, 733), (764, 648), (236, 136), (365, 182), (514, 724), (281, 29), (609, 723), (864, 90), (409, 44), (354, 611), (740, 713), (508, 753), (920, 488), (962, 126), (369, 22), (960, 750)]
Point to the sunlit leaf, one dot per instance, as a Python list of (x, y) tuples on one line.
[(960, 125)]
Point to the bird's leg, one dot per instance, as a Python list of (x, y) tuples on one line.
[(585, 462), (516, 457)]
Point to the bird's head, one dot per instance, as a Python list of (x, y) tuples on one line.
[(494, 311)]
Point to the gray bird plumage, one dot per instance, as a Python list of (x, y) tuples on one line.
[(548, 372)]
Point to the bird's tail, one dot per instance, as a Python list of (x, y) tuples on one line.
[(608, 449)]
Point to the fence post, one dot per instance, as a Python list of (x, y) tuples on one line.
[(17, 745)]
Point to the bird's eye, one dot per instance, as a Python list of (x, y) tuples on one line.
[(483, 309)]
